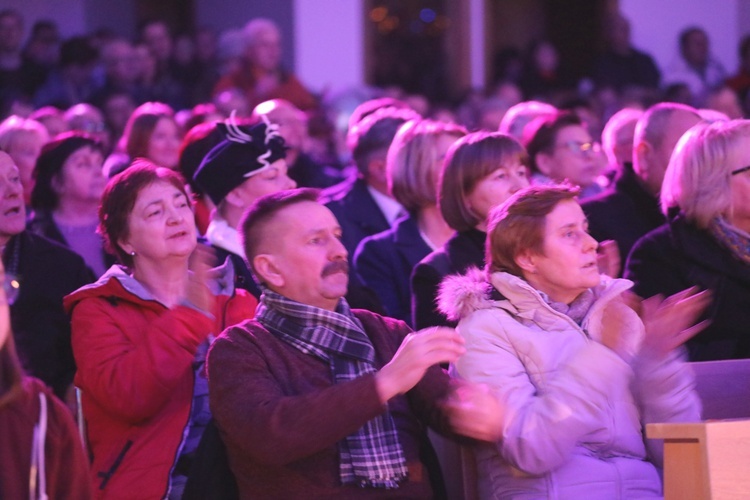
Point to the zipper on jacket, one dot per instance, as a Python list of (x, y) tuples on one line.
[(106, 476)]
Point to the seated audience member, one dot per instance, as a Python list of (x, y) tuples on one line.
[(617, 139), (73, 81), (117, 108), (89, 119), (259, 74), (66, 196), (292, 125), (121, 72), (724, 100), (630, 207), (22, 139), (517, 117), (51, 118), (363, 205), (740, 82), (544, 76), (196, 144), (621, 66), (575, 371), (140, 337), (151, 133), (561, 148), (480, 170), (706, 196), (44, 273), (384, 261), (694, 66), (247, 164), (41, 455), (314, 399)]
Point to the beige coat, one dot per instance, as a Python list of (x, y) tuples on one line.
[(574, 410)]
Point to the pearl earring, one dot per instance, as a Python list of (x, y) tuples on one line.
[(132, 253)]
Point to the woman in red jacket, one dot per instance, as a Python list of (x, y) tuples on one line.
[(140, 336)]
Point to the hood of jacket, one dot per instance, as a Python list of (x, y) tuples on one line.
[(461, 295), (120, 285)]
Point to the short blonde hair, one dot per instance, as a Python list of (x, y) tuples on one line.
[(698, 177), (469, 160), (411, 159), (14, 127)]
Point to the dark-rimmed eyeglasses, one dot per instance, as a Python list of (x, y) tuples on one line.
[(739, 170)]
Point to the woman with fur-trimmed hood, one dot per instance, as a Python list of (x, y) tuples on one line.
[(575, 373)]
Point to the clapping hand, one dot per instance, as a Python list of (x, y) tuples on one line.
[(197, 292), (671, 322), (418, 352), (474, 411), (608, 258)]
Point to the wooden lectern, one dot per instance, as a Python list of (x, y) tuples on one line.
[(711, 459), (705, 460)]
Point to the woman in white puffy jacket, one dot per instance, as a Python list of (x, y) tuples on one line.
[(572, 370)]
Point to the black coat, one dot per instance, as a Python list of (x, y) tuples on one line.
[(384, 263), (462, 251), (624, 213), (679, 255), (357, 212), (46, 272), (43, 224)]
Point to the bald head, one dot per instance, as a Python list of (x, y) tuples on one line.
[(291, 120), (656, 135), (618, 134)]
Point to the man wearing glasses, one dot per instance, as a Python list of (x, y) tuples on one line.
[(560, 148)]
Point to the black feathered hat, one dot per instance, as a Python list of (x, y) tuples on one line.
[(244, 152)]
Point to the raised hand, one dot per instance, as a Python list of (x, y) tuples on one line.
[(671, 322), (608, 258), (197, 292), (417, 353), (474, 411)]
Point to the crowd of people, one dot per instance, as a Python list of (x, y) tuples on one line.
[(223, 275)]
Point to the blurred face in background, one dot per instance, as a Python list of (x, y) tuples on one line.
[(12, 208), (81, 178), (24, 151), (496, 188), (264, 51), (164, 144)]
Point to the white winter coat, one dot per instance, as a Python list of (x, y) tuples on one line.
[(574, 410)]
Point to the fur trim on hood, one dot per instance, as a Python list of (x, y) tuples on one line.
[(460, 295)]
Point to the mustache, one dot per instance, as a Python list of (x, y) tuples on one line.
[(338, 266)]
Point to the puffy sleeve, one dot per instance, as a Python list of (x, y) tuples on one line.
[(665, 392), (540, 426)]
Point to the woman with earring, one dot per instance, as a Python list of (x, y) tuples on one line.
[(481, 170), (575, 373), (140, 336)]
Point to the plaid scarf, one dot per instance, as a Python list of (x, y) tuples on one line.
[(371, 457), (731, 238)]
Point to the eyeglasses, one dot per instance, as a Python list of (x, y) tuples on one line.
[(740, 170), (581, 147)]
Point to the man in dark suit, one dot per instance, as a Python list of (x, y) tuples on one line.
[(362, 205)]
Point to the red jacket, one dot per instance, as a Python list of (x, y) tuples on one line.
[(135, 369), (65, 464)]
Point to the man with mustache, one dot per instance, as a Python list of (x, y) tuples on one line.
[(313, 399)]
